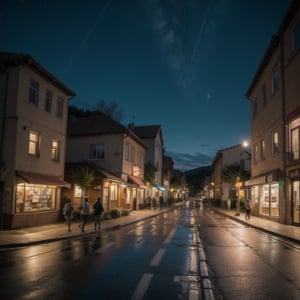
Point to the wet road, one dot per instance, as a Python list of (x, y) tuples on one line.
[(152, 259), (244, 263)]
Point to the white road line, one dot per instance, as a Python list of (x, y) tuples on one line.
[(102, 249), (193, 266), (142, 287), (156, 259), (170, 236)]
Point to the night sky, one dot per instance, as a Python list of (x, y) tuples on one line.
[(183, 64)]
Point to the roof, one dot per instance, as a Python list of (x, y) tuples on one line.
[(9, 59), (98, 171), (147, 131), (99, 125), (289, 15)]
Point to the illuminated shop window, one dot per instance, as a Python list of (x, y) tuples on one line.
[(78, 192), (34, 197)]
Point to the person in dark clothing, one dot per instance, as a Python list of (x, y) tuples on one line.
[(98, 209), (248, 210)]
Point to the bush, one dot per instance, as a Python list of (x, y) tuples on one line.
[(124, 212), (114, 213)]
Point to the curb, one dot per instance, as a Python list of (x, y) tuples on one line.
[(297, 241), (62, 238)]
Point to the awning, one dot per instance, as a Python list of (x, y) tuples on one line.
[(36, 178), (136, 180), (161, 188)]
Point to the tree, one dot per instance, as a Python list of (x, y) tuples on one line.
[(111, 109), (83, 176), (149, 172), (231, 172)]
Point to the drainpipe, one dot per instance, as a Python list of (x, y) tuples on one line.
[(3, 123), (283, 121)]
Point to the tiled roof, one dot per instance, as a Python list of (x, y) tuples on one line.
[(149, 131), (99, 124), (8, 59)]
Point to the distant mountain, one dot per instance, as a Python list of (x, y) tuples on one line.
[(195, 178)]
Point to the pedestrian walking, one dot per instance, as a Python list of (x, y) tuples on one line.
[(84, 213), (68, 214), (98, 209), (248, 210)]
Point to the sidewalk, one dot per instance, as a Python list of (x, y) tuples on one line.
[(289, 232), (59, 231), (55, 232)]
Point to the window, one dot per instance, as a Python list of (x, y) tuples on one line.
[(59, 107), (34, 143), (33, 92), (141, 160), (275, 142), (127, 151), (295, 143), (78, 192), (275, 80), (262, 150), (132, 154), (48, 101), (34, 197), (264, 95), (97, 151), (255, 158), (55, 152), (296, 36), (113, 192)]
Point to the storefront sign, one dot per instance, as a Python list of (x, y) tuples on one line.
[(255, 181)]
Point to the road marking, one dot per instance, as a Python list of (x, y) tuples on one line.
[(188, 278), (193, 266), (156, 260), (170, 236), (142, 287), (102, 249)]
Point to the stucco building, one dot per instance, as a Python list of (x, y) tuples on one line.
[(33, 109), (275, 124), (232, 156), (118, 151)]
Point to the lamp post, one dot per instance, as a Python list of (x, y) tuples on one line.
[(238, 196)]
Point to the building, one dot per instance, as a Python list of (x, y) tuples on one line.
[(275, 124), (236, 156), (152, 136), (167, 174), (118, 151), (33, 109)]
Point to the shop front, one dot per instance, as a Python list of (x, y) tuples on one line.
[(294, 176), (37, 199), (265, 195)]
